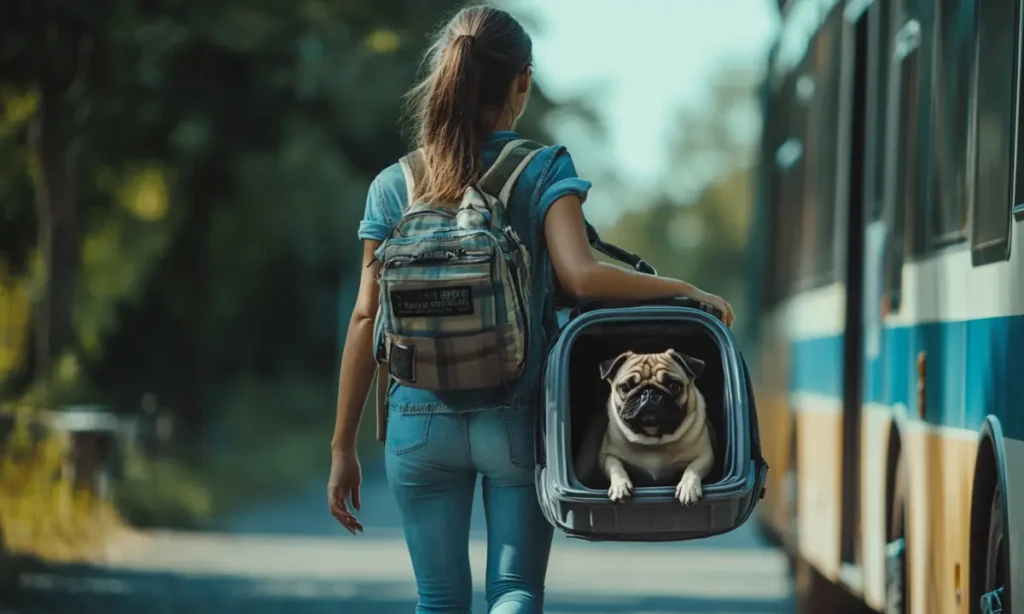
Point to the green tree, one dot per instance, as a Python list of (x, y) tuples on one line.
[(180, 187), (700, 235)]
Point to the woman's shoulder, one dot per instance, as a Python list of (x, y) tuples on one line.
[(390, 181), (385, 200), (551, 164), (388, 192), (559, 177)]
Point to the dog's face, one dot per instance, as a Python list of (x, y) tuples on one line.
[(651, 392)]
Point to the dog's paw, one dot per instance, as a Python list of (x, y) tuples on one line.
[(688, 491), (620, 490)]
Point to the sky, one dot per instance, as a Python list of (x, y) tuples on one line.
[(643, 60)]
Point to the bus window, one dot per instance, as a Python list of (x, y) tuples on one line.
[(830, 70), (906, 118), (954, 52), (881, 57), (818, 89), (901, 152), (994, 141)]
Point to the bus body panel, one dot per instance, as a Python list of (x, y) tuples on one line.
[(949, 354)]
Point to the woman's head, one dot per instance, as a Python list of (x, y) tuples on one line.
[(479, 79)]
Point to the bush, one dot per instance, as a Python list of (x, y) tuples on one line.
[(41, 515), (162, 493)]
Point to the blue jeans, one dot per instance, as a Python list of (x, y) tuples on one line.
[(432, 463)]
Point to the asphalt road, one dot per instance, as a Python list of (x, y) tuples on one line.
[(290, 556)]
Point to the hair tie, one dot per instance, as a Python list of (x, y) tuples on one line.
[(470, 37)]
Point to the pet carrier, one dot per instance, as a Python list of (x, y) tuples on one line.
[(575, 395)]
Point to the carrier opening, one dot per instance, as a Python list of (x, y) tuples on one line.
[(589, 393)]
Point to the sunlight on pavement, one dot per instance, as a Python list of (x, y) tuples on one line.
[(205, 572)]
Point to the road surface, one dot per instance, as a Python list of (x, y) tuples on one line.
[(290, 556)]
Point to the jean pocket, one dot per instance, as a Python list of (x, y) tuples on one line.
[(406, 432), (519, 429)]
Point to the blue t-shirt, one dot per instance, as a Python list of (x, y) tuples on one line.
[(549, 176)]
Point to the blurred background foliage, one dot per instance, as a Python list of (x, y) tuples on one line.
[(695, 224), (180, 187)]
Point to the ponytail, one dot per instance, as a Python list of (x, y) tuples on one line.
[(473, 62), (452, 120)]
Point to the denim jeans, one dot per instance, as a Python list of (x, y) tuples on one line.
[(432, 462)]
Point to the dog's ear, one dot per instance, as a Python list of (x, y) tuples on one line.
[(609, 367), (693, 366)]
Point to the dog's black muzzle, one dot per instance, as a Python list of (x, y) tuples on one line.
[(651, 411)]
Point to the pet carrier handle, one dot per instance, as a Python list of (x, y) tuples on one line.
[(614, 251), (679, 301)]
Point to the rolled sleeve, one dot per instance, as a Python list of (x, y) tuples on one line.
[(374, 226), (373, 230), (562, 180)]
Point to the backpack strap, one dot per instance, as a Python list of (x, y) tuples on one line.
[(413, 167), (512, 161)]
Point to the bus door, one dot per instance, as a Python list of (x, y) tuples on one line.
[(853, 117)]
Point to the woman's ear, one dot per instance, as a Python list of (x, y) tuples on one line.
[(521, 91), (524, 81)]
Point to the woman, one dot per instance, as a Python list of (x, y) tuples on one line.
[(437, 445)]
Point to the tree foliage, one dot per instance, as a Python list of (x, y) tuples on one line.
[(180, 186), (700, 235)]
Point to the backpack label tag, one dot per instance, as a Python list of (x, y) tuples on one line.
[(432, 302)]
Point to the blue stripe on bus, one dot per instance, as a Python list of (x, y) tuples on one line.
[(973, 368)]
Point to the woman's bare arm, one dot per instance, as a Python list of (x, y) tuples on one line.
[(357, 365), (583, 276)]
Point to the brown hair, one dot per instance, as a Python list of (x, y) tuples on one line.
[(472, 63)]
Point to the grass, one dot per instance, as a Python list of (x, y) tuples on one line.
[(276, 442)]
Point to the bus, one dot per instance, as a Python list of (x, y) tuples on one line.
[(888, 252)]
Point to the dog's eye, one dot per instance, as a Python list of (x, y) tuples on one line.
[(675, 387), (625, 387)]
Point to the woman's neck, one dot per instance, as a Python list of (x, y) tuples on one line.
[(505, 121)]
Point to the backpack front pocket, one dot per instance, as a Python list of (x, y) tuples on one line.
[(453, 362), (422, 298)]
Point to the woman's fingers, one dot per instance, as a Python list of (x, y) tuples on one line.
[(340, 511)]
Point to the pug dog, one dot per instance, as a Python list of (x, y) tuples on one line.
[(657, 424)]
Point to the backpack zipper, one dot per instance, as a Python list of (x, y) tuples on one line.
[(438, 258)]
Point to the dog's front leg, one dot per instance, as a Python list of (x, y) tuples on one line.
[(689, 491), (621, 487)]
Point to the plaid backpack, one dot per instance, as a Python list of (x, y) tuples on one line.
[(454, 285)]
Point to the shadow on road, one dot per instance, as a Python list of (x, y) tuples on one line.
[(291, 555), (86, 590), (306, 514)]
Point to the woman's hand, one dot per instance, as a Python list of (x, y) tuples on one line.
[(721, 304), (344, 482)]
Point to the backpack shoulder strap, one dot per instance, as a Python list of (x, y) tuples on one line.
[(413, 167), (501, 177)]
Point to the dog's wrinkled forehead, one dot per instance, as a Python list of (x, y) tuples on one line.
[(651, 367)]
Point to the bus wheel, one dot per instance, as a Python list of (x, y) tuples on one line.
[(896, 581), (996, 597), (815, 594)]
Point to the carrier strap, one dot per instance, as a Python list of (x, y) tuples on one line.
[(614, 251)]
